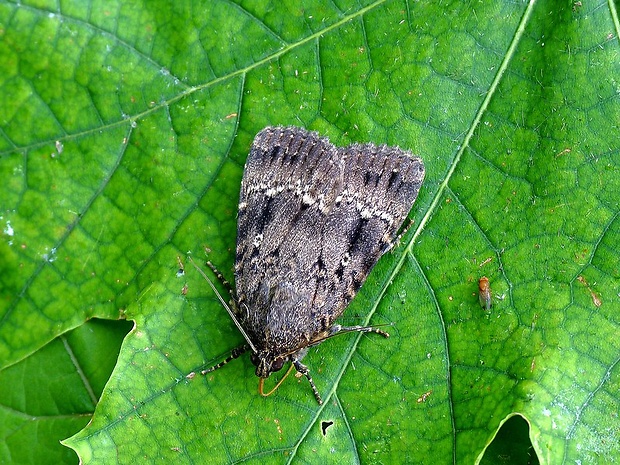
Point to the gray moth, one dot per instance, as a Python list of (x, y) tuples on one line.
[(313, 221)]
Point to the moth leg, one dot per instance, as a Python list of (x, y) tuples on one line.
[(393, 242), (362, 329), (222, 279), (303, 369), (236, 352)]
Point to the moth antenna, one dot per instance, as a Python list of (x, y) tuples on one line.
[(226, 306), (261, 382)]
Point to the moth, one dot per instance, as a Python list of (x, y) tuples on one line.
[(313, 221)]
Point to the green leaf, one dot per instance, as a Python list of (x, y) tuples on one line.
[(53, 393), (123, 132)]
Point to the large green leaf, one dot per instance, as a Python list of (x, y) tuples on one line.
[(123, 132)]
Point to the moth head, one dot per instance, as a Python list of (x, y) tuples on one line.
[(267, 363)]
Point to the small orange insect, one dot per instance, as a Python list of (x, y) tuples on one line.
[(484, 294)]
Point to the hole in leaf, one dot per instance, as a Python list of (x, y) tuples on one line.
[(325, 425), (511, 445)]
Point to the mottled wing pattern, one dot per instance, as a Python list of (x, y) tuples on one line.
[(313, 221)]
